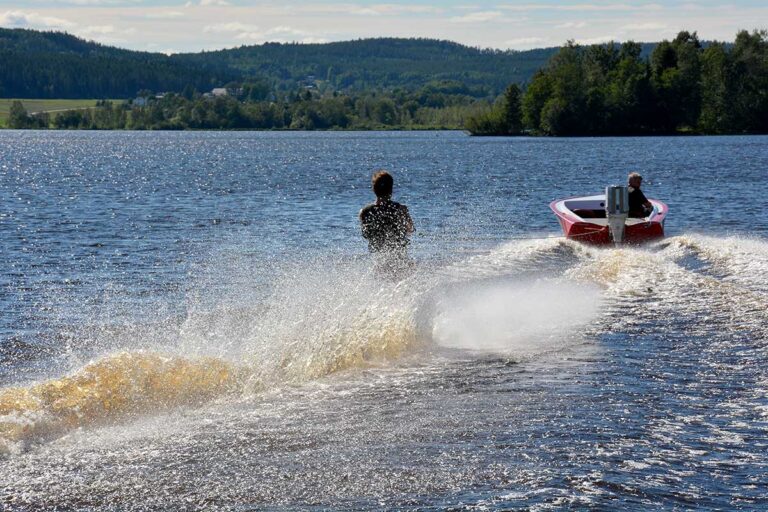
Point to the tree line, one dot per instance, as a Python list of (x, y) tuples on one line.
[(437, 106), (380, 63), (54, 65), (681, 86), (57, 65), (684, 86)]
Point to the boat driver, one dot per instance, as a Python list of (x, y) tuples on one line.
[(639, 205), (387, 226)]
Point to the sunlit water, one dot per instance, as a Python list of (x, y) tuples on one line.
[(189, 320)]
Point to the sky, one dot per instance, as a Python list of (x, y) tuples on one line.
[(173, 26)]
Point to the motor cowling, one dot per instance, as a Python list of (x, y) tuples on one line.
[(616, 210)]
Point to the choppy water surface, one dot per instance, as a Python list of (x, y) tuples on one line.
[(189, 320)]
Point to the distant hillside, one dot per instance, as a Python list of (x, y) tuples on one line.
[(381, 63), (57, 65)]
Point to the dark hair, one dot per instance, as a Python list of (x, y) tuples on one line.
[(382, 183)]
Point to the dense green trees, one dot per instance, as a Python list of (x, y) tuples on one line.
[(380, 63), (297, 110), (610, 90), (502, 118), (19, 118), (55, 65), (105, 116), (746, 72), (601, 89), (677, 86)]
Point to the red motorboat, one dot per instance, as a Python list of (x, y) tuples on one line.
[(588, 219)]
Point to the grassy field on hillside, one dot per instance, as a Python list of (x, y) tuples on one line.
[(43, 106)]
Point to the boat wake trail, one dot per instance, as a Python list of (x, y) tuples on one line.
[(317, 319), (703, 282)]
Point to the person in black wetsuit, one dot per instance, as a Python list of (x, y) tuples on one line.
[(639, 205), (387, 226)]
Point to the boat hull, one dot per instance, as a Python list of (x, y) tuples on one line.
[(595, 230)]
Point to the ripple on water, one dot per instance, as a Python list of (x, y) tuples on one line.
[(191, 323)]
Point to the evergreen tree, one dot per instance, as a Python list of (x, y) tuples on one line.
[(512, 110), (681, 87), (189, 92), (17, 116), (750, 81), (629, 93), (504, 117), (675, 74), (536, 96), (716, 103)]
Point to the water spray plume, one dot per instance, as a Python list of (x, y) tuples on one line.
[(522, 298)]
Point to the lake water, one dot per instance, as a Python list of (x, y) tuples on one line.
[(190, 320)]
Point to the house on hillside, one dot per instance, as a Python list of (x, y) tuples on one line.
[(309, 82), (219, 92)]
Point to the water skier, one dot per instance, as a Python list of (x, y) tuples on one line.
[(387, 226)]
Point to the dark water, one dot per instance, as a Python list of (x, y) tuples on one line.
[(189, 320)]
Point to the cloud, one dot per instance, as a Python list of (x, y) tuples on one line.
[(393, 9), (22, 19), (286, 30), (259, 38), (690, 6), (105, 34), (207, 3), (251, 36), (164, 15), (97, 29), (499, 24), (281, 34), (526, 42), (579, 7), (633, 27), (234, 26), (310, 40), (596, 40), (99, 2), (572, 24), (368, 10), (477, 17)]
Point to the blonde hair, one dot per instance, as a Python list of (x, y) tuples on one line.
[(633, 175)]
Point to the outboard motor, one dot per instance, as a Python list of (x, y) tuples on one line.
[(616, 210)]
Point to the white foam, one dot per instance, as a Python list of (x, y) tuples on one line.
[(514, 317)]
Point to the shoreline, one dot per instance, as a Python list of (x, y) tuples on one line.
[(403, 130)]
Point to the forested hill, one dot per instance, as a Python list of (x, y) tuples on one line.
[(57, 65), (382, 63)]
